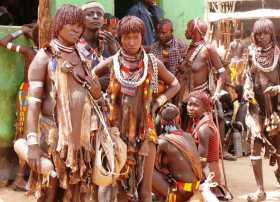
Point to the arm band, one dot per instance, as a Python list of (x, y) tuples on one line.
[(35, 84), (16, 33), (18, 48), (31, 138), (9, 46), (34, 99), (174, 82), (255, 158), (161, 100)]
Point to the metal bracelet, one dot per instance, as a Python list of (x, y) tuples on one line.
[(31, 134), (31, 138), (35, 84), (161, 100), (255, 158), (16, 33), (34, 99)]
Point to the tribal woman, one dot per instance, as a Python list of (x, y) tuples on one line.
[(134, 77), (262, 75), (59, 113)]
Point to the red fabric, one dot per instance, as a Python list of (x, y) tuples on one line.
[(213, 144)]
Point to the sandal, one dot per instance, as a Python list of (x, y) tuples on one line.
[(223, 194), (256, 197)]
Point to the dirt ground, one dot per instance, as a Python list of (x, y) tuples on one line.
[(240, 180)]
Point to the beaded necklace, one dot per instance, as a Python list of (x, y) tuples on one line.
[(199, 45), (262, 60), (148, 91), (130, 82), (130, 58), (60, 47)]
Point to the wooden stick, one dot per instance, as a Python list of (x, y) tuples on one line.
[(44, 20), (221, 147)]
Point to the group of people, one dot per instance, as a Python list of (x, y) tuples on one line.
[(121, 115)]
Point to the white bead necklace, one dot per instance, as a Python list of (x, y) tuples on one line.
[(196, 51), (123, 81), (270, 68)]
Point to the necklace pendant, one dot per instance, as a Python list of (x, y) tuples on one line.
[(128, 90), (66, 67)]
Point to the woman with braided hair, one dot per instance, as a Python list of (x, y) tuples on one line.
[(260, 89), (134, 99), (59, 113)]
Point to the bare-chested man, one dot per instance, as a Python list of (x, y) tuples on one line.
[(132, 89), (31, 32), (178, 169), (201, 65), (236, 57), (200, 61), (59, 106), (263, 123)]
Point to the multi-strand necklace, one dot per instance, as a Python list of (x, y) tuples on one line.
[(266, 59), (130, 58), (131, 81), (60, 47)]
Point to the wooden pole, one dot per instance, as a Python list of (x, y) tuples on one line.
[(44, 18)]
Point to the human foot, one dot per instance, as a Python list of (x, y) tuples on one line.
[(257, 196)]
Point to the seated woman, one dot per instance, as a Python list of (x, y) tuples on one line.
[(178, 171)]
